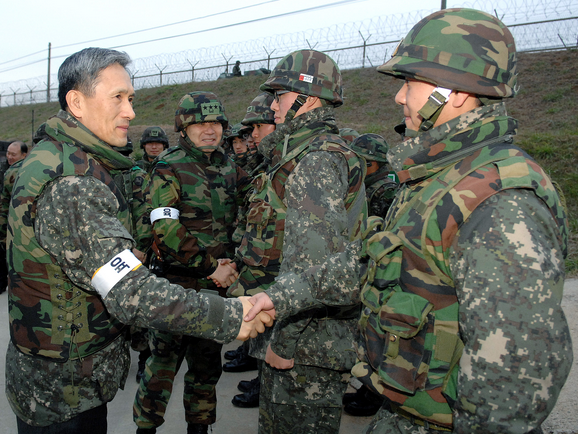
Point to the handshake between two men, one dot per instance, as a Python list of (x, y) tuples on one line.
[(255, 318), (258, 312)]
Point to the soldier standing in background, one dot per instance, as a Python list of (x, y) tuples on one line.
[(261, 119), (461, 328), (194, 190), (380, 185), (237, 69), (153, 141), (74, 281), (15, 154)]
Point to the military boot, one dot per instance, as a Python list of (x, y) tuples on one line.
[(197, 428)]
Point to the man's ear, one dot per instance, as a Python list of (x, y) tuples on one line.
[(75, 103), (312, 102), (461, 98)]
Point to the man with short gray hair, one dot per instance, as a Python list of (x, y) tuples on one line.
[(74, 282)]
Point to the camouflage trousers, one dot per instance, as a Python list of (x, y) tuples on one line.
[(304, 400), (203, 358)]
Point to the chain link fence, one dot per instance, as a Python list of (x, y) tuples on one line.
[(537, 25)]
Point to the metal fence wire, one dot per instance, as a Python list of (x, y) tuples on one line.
[(537, 25)]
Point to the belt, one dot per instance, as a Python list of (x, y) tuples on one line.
[(417, 421)]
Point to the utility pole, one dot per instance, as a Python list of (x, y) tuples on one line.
[(48, 81)]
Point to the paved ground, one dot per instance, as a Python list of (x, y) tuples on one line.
[(563, 420)]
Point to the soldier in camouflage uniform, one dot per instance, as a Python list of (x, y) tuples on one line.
[(15, 155), (307, 205), (261, 119), (380, 185), (194, 189), (236, 141), (74, 283), (153, 142), (462, 329)]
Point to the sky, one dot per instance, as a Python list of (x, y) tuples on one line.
[(28, 26)]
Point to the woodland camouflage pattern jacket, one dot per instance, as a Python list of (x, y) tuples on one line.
[(505, 263), (207, 191)]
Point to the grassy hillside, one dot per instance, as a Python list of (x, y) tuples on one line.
[(546, 108)]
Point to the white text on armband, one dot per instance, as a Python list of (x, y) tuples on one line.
[(164, 213), (113, 271)]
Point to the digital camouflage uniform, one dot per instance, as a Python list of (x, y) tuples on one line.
[(68, 350), (204, 190), (307, 205), (462, 328)]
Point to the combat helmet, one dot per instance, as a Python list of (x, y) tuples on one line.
[(372, 147), (154, 134), (198, 107), (348, 134), (310, 73), (259, 111), (238, 130), (457, 50)]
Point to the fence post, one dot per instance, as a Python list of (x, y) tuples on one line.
[(31, 89), (161, 72), (226, 63), (193, 69), (14, 94), (310, 47), (364, 48), (48, 75), (133, 77), (33, 131), (268, 57)]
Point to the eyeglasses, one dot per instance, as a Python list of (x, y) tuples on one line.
[(278, 93)]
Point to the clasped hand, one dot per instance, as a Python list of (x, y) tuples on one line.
[(250, 328)]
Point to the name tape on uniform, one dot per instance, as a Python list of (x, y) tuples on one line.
[(110, 273), (164, 213)]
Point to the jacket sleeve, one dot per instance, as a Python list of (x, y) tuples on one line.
[(316, 226), (333, 283), (84, 234), (508, 268)]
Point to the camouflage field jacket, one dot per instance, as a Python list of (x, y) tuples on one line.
[(505, 261), (63, 229), (206, 191), (5, 194)]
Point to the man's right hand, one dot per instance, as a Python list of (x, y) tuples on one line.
[(251, 328)]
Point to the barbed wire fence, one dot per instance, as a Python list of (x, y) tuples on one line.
[(537, 25)]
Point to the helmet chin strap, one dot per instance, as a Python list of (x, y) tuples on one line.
[(299, 101), (430, 113), (432, 109)]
